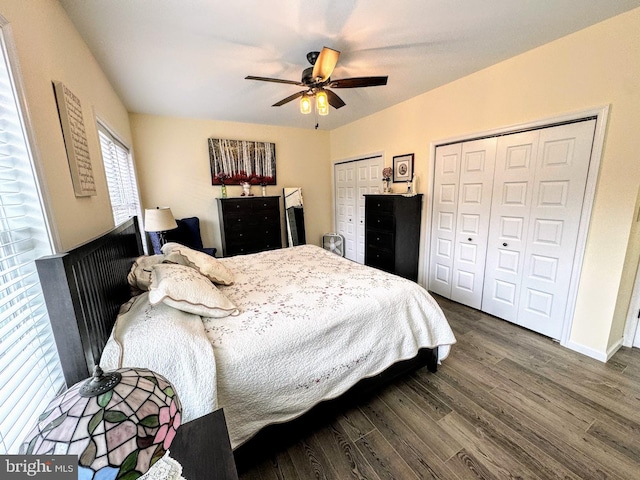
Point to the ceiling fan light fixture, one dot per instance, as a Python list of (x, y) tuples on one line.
[(305, 104), (322, 103)]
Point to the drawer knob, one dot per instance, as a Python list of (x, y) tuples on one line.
[(237, 206), (505, 244), (378, 238), (241, 234), (470, 239)]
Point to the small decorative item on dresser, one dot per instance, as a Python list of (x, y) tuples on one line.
[(221, 177), (387, 172), (118, 423), (246, 189)]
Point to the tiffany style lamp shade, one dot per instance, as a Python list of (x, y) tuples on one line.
[(118, 423)]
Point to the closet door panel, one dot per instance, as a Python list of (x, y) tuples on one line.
[(445, 209), (369, 180), (512, 192), (472, 224), (345, 178), (558, 194)]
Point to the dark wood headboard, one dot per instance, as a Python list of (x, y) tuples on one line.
[(83, 290)]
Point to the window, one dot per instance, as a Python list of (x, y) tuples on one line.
[(121, 177), (30, 371)]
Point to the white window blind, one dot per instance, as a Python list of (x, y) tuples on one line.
[(121, 177), (30, 372)]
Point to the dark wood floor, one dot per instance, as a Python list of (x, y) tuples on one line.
[(507, 403)]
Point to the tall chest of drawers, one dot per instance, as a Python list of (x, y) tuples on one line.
[(249, 224), (392, 233)]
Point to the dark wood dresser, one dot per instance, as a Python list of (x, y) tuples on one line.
[(392, 233), (249, 224)]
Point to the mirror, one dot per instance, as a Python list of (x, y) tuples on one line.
[(294, 216)]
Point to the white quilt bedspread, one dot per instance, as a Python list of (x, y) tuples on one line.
[(169, 342), (312, 325)]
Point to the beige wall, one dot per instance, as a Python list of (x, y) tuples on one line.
[(49, 48), (172, 161), (594, 67)]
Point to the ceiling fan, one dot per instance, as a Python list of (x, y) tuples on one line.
[(316, 81)]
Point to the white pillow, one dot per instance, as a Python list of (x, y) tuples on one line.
[(139, 276), (207, 265), (183, 288)]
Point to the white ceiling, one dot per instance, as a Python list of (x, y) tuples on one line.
[(188, 58)]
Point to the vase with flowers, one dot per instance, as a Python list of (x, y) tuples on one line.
[(222, 177), (386, 178)]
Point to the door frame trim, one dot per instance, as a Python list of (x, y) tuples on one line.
[(601, 115)]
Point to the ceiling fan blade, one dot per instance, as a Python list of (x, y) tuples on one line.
[(274, 80), (325, 63), (289, 98), (357, 82), (334, 100)]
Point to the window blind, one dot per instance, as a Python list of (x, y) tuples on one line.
[(30, 372), (121, 178)]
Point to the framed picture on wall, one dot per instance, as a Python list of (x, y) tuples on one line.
[(403, 168)]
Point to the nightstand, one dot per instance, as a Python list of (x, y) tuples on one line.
[(203, 449)]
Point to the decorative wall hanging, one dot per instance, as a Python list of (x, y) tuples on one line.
[(75, 140), (403, 168), (234, 162)]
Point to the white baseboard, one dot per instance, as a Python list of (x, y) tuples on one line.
[(593, 353)]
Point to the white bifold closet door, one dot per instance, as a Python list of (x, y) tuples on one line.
[(531, 247), (506, 213), (462, 199), (353, 180), (345, 201)]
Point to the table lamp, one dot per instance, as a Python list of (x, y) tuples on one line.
[(118, 423), (159, 220)]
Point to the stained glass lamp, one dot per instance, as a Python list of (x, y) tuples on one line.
[(119, 424)]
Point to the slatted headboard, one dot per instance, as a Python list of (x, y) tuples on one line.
[(83, 290)]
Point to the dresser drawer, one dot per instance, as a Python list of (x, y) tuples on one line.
[(379, 258), (239, 221), (379, 221), (236, 206), (260, 204), (380, 239), (380, 204)]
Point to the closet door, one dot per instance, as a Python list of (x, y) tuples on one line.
[(369, 180), (445, 210), (345, 194), (562, 165), (352, 181), (472, 224), (512, 190)]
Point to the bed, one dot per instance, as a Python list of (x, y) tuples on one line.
[(251, 363)]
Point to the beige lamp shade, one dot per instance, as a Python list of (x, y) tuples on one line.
[(159, 219)]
